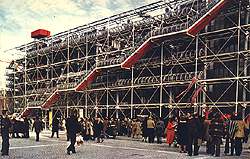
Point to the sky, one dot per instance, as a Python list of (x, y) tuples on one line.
[(18, 18)]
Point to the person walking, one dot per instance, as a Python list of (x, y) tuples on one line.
[(55, 127), (239, 135), (170, 132), (26, 128), (37, 125), (129, 127), (206, 136), (5, 125), (73, 127), (193, 132), (138, 131), (144, 130), (82, 128), (98, 130), (134, 127), (15, 133), (182, 134), (231, 126), (150, 129), (89, 129), (123, 127), (159, 130), (67, 128), (216, 130), (105, 126)]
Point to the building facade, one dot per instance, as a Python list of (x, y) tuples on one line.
[(167, 57)]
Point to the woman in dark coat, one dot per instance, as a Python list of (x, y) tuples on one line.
[(182, 134), (38, 126), (98, 130), (159, 130), (55, 128), (26, 128), (144, 130)]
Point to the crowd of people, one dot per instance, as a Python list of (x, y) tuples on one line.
[(187, 131)]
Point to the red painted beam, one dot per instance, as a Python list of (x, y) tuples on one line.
[(51, 100), (26, 112), (207, 18), (88, 80), (131, 60)]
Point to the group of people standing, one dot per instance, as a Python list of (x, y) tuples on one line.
[(193, 130), (13, 127), (189, 131), (85, 127)]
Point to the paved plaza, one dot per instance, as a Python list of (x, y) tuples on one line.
[(120, 148)]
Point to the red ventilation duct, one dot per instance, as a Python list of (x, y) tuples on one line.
[(40, 33)]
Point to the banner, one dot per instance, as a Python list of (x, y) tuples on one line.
[(196, 93), (194, 80)]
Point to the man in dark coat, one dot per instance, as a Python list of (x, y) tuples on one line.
[(67, 128), (216, 130), (159, 130), (55, 128), (5, 125), (15, 125), (38, 126), (26, 128), (194, 134), (98, 129), (182, 128), (73, 126)]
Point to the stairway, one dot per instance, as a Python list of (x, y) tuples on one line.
[(188, 28)]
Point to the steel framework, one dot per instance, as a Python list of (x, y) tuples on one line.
[(163, 58)]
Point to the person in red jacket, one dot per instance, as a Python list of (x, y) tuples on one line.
[(170, 131)]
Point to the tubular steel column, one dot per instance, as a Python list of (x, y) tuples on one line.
[(14, 84), (96, 106), (132, 93), (205, 77), (67, 63), (170, 100), (161, 86), (86, 69), (67, 105), (86, 104), (196, 107), (117, 105), (132, 79), (107, 98), (244, 92), (107, 106), (25, 80), (86, 57), (238, 61)]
